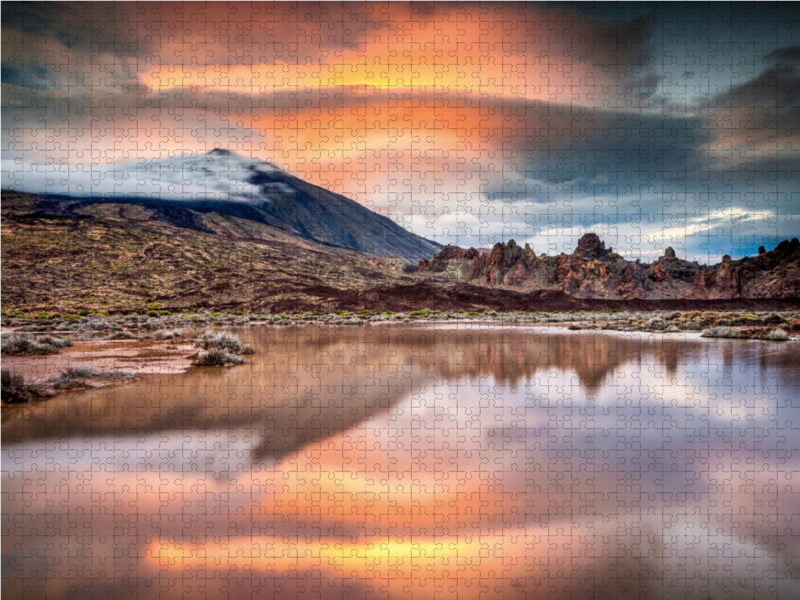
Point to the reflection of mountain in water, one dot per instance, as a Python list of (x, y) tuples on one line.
[(306, 384)]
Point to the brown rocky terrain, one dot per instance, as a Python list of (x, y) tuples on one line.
[(596, 272), (126, 258), (114, 257)]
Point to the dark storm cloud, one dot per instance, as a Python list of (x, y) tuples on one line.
[(97, 26), (765, 109)]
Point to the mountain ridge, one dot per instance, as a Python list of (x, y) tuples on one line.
[(596, 272)]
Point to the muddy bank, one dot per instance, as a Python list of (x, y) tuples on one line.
[(421, 296), (134, 357), (88, 365), (70, 361)]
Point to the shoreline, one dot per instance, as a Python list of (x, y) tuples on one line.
[(112, 351)]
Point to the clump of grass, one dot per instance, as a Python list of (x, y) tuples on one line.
[(777, 335), (14, 390), (221, 340), (723, 332), (21, 343), (169, 334), (75, 378), (655, 323), (217, 357), (56, 342)]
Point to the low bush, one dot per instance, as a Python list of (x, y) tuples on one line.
[(722, 332), (21, 343), (777, 335), (13, 389), (169, 334), (217, 357), (221, 340), (75, 378)]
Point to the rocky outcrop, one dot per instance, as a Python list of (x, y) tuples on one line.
[(773, 274), (506, 265), (442, 259), (591, 246), (594, 271)]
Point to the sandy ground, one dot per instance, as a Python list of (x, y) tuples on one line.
[(136, 357)]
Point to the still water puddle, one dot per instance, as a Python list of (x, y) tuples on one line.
[(424, 462)]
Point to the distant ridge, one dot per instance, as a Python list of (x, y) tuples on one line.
[(596, 272)]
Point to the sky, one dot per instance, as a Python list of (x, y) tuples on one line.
[(653, 125)]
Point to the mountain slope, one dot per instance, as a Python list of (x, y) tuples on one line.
[(112, 256), (181, 190), (593, 271)]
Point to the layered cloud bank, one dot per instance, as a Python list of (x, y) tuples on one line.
[(215, 175), (469, 124)]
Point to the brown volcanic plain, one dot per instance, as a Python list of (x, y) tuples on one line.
[(124, 257)]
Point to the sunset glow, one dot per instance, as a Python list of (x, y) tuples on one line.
[(467, 124)]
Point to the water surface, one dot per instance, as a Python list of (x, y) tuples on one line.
[(418, 461)]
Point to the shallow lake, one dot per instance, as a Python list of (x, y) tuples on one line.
[(424, 461)]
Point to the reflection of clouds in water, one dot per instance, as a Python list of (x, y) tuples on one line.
[(547, 456)]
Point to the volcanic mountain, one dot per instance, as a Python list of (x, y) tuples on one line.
[(182, 189)]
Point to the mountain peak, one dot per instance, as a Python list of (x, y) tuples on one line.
[(591, 245)]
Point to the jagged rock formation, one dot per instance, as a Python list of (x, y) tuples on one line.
[(442, 258), (595, 271)]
